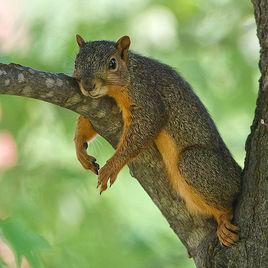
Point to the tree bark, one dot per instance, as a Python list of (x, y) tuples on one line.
[(197, 233)]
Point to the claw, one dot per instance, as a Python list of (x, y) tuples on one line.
[(112, 180), (106, 174), (227, 232), (88, 162), (85, 145)]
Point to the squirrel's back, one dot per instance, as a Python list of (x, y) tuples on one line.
[(184, 108), (188, 121)]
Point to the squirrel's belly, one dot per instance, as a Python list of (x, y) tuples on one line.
[(194, 200)]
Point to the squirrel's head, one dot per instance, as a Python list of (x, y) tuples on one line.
[(101, 65)]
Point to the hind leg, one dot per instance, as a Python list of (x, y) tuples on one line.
[(218, 182)]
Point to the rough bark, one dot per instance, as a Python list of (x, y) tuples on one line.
[(196, 233), (252, 206)]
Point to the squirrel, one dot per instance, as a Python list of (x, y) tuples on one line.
[(158, 106)]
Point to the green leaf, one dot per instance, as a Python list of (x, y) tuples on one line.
[(23, 240), (2, 265)]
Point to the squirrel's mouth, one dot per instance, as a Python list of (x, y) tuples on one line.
[(95, 96), (98, 92)]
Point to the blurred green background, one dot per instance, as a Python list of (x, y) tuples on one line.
[(50, 209)]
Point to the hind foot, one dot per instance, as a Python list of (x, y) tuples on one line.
[(226, 232)]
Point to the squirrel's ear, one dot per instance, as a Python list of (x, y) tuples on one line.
[(122, 46), (80, 41)]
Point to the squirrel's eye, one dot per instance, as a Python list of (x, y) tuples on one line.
[(112, 64)]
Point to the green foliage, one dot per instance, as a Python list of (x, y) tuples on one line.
[(56, 216), (23, 240), (2, 265)]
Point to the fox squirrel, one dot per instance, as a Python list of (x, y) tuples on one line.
[(158, 106)]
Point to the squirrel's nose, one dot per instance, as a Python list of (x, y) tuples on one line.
[(88, 85)]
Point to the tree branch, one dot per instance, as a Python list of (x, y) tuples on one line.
[(195, 232)]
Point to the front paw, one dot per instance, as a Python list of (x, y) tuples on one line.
[(88, 161), (107, 172)]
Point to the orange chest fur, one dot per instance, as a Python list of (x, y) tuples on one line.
[(121, 96)]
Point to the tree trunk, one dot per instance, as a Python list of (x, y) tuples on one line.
[(196, 233)]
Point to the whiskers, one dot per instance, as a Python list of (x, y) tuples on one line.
[(95, 146)]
